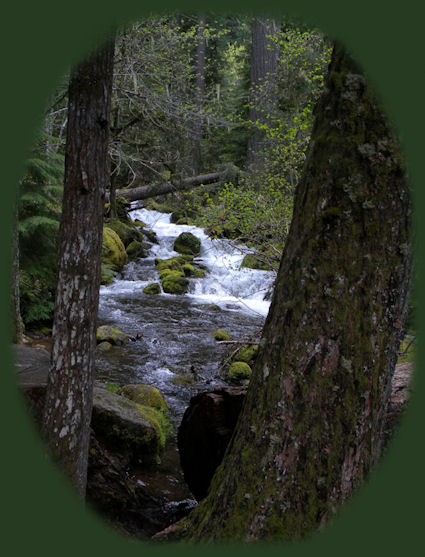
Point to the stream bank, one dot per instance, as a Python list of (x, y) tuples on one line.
[(172, 346)]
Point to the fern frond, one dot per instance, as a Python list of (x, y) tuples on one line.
[(36, 221)]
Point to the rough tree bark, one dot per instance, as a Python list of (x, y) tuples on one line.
[(198, 95), (144, 192), (69, 393), (114, 171), (262, 82), (311, 426)]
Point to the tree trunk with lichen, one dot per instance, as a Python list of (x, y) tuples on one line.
[(69, 393), (311, 427)]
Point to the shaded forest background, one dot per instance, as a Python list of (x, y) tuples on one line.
[(187, 101)]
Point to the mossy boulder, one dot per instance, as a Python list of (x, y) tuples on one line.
[(114, 255), (246, 354), (152, 288), (188, 269), (150, 235), (104, 346), (187, 243), (199, 273), (152, 405), (135, 250), (123, 426), (173, 273), (105, 333), (221, 334), (252, 262), (239, 371), (174, 264), (146, 395), (174, 282), (127, 231)]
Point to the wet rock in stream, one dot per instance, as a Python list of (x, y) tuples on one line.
[(137, 501)]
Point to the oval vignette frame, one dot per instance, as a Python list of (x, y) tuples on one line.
[(42, 511)]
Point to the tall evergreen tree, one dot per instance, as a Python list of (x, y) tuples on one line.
[(69, 394), (312, 423), (199, 94), (262, 83)]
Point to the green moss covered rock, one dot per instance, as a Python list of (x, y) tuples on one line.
[(123, 426), (246, 354), (150, 235), (135, 250), (187, 243), (105, 333), (153, 288), (221, 334), (104, 346), (174, 264), (173, 273), (127, 231), (146, 395), (113, 250), (188, 269), (174, 282), (160, 422), (152, 405), (239, 371)]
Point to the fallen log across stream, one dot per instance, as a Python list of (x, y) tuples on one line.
[(152, 190)]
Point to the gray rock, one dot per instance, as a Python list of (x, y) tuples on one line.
[(120, 425)]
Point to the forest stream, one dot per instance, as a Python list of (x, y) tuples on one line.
[(173, 334)]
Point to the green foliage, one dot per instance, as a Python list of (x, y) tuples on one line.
[(259, 218), (256, 207), (39, 216), (113, 387), (107, 273)]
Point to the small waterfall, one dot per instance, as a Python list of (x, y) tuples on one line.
[(226, 283), (174, 332)]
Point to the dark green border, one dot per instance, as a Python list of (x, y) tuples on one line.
[(40, 514)]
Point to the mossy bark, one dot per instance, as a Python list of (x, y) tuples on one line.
[(311, 426), (69, 392)]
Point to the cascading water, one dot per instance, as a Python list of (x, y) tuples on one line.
[(174, 332)]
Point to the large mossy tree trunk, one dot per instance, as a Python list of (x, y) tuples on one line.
[(311, 426), (69, 393)]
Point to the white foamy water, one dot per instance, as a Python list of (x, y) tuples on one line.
[(226, 284)]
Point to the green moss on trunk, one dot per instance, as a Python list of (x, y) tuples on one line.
[(311, 426)]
